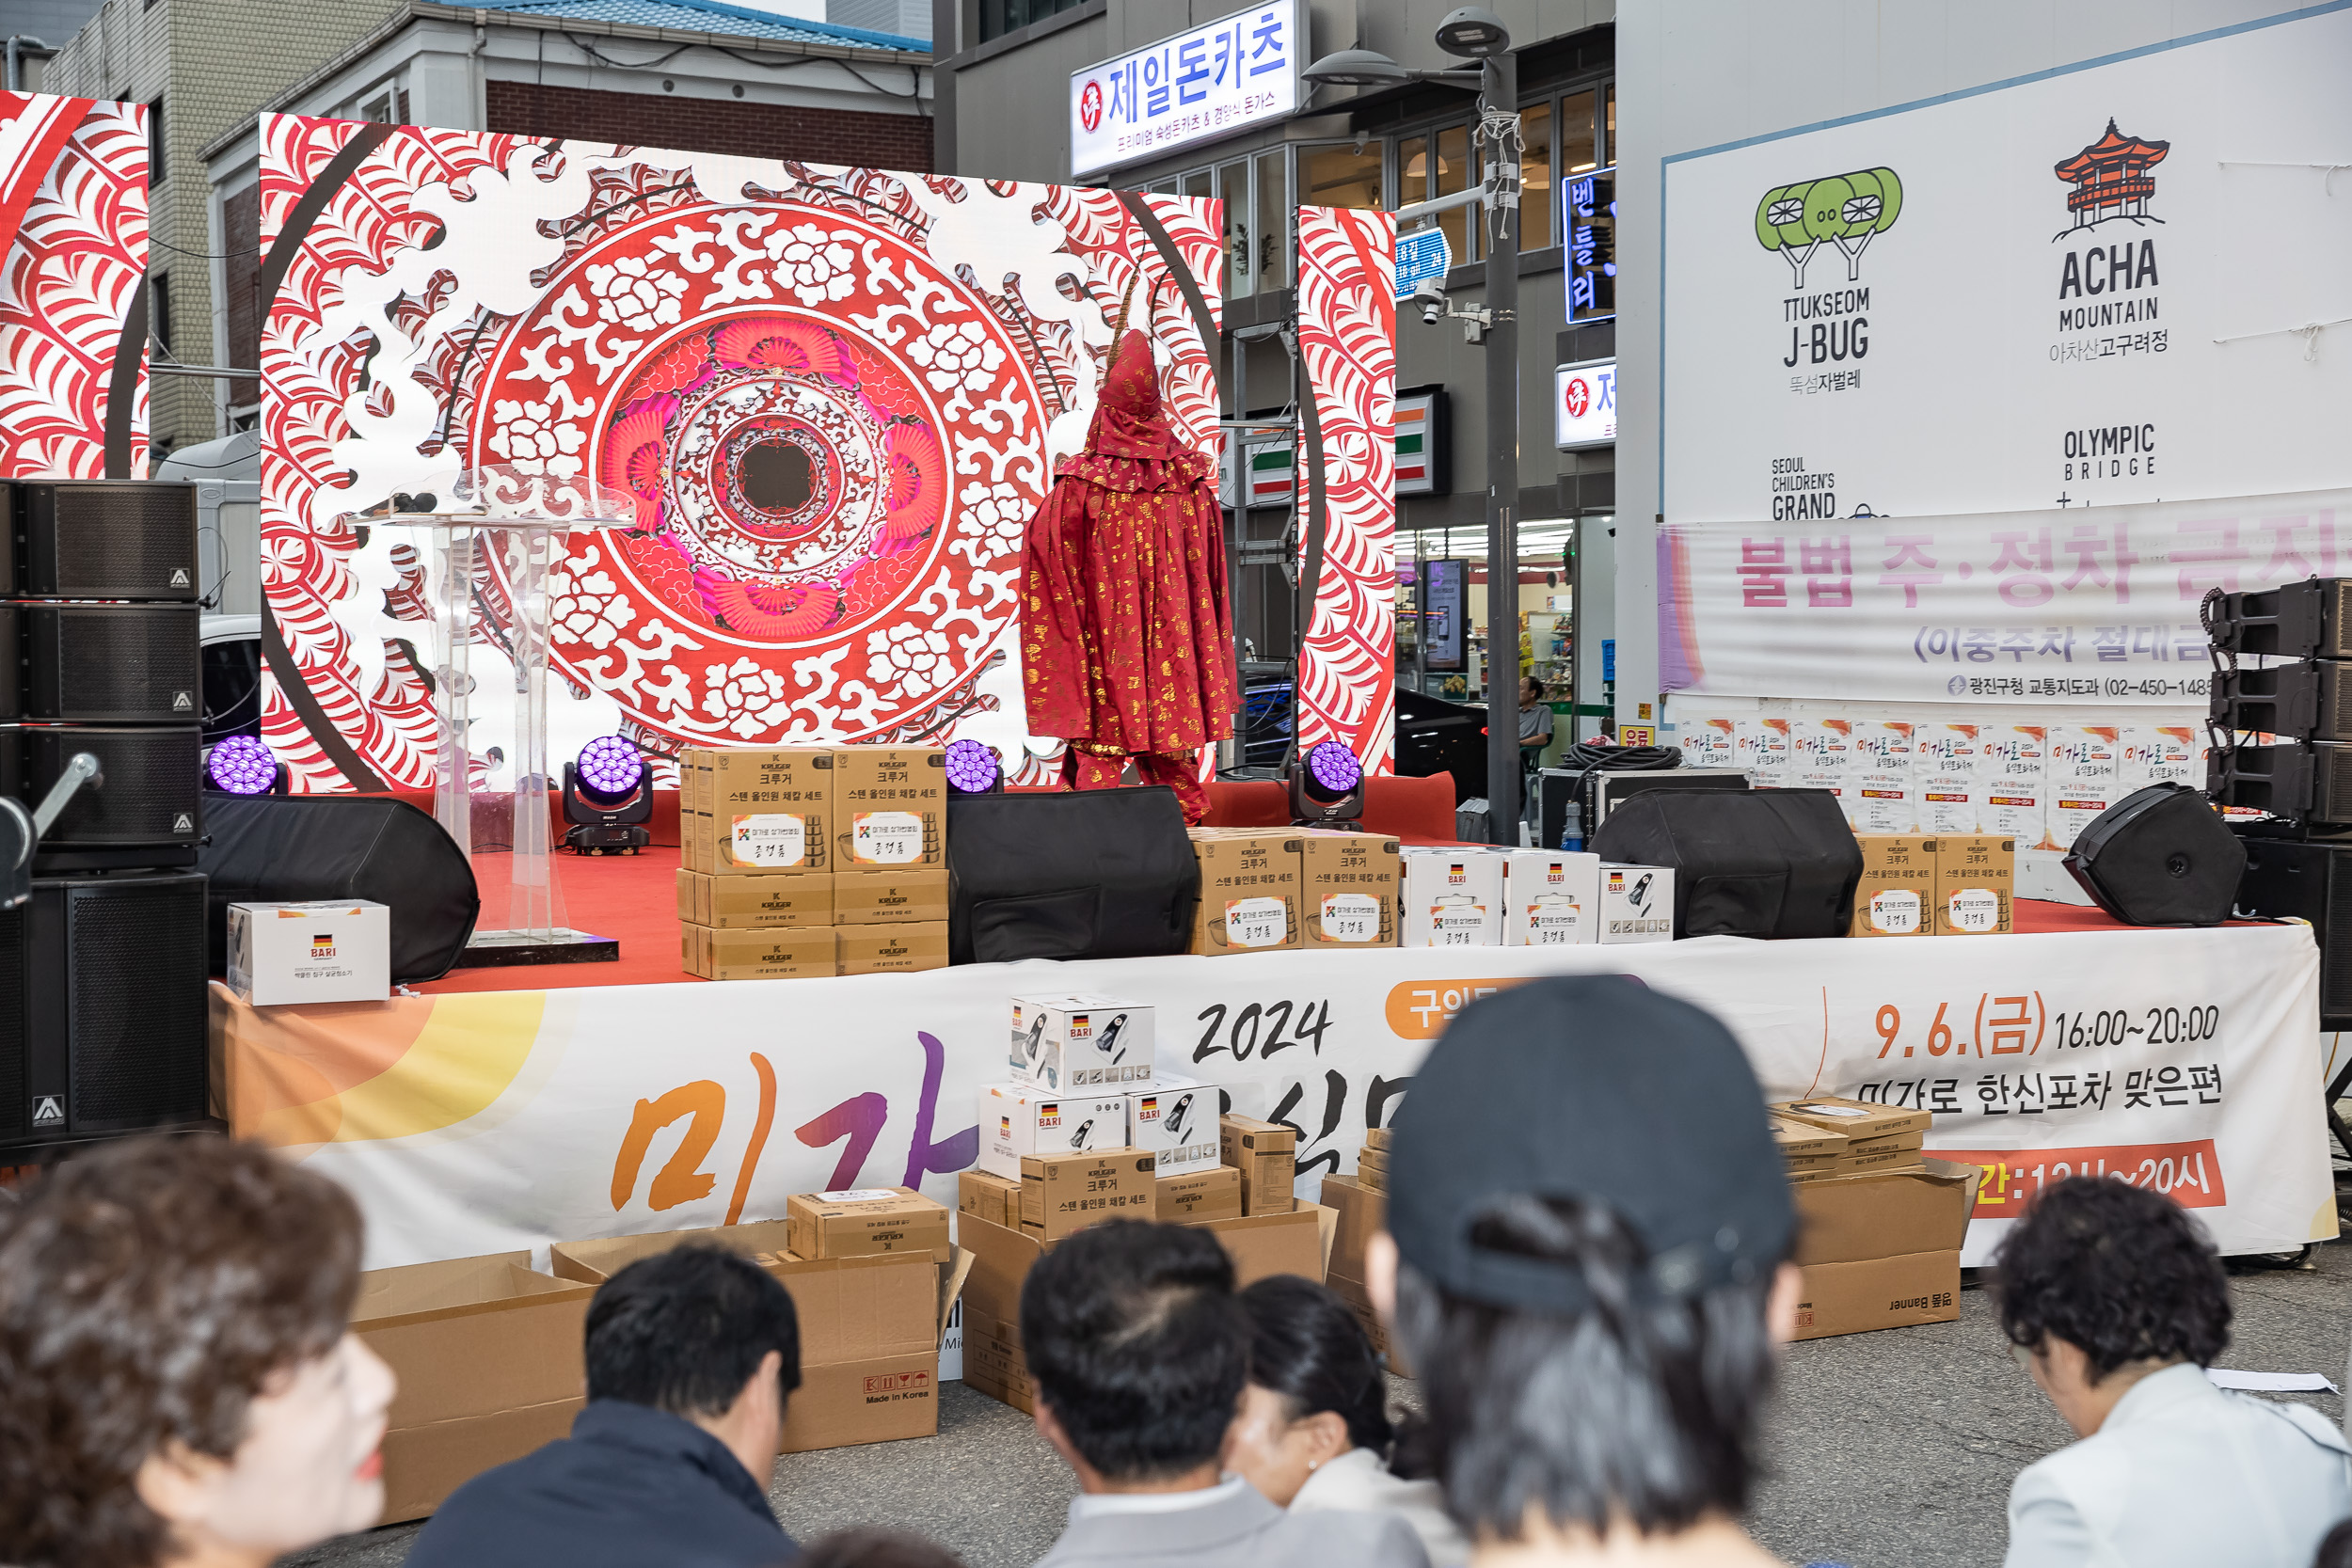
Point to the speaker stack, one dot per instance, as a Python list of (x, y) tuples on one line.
[(102, 973)]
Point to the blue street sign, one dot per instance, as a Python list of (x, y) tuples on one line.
[(1422, 253)]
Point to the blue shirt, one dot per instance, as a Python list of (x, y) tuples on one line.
[(631, 1486)]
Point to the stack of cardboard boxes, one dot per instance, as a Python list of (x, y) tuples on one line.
[(1361, 1206), (1852, 1135), (1934, 884), (1274, 890), (1371, 1165), (805, 861), (1464, 895)]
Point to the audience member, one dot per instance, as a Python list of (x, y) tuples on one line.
[(1314, 1431), (1595, 1317), (1137, 1352), (178, 1379), (875, 1548), (691, 1354), (2115, 1302), (2335, 1550)]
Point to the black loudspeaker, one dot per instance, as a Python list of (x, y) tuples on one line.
[(1768, 863), (279, 848), (2160, 856), (2314, 883), (2291, 779), (2296, 620), (102, 1004), (100, 539), (2312, 701), (1094, 874), (145, 809), (103, 664)]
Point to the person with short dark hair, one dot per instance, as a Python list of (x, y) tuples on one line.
[(1137, 1352), (179, 1381), (1315, 1432), (870, 1547), (1595, 1320), (691, 1354), (2115, 1302)]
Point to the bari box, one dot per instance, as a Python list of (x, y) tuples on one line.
[(861, 1220), (1452, 897), (995, 1198), (1176, 1120), (783, 953), (1551, 898), (1976, 878), (1064, 1193), (1348, 884), (755, 903), (890, 804), (1082, 1043), (1896, 897), (755, 811), (328, 950), (892, 949), (1249, 891), (1266, 1154), (876, 897), (1018, 1120), (1637, 903), (1210, 1193)]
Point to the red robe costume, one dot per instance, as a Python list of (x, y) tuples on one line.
[(1126, 638)]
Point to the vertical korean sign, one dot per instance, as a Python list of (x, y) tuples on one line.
[(1192, 87)]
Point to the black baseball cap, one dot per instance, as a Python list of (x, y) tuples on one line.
[(1592, 1087)]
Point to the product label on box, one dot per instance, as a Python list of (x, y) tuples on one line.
[(856, 1194), (1554, 919), (771, 838), (1256, 923), (1454, 923), (1896, 911), (1975, 909), (1351, 917), (886, 837)]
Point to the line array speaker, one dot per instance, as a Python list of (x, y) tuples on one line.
[(2296, 619), (2309, 701), (146, 810), (102, 663), (100, 539)]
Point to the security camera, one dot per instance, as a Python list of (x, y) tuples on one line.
[(1430, 295)]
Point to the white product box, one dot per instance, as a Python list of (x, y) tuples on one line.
[(1637, 903), (1176, 1118), (1451, 899), (1946, 776), (2014, 761), (1761, 747), (1550, 898), (1706, 742), (1018, 1119), (1069, 1044), (1822, 757), (2161, 754), (1880, 777), (328, 950)]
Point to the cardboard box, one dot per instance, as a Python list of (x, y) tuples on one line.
[(1213, 1192), (1377, 1137), (322, 950), (1878, 1293), (1804, 1140), (1372, 1169), (994, 1198), (857, 1221), (883, 896), (1361, 1214), (1175, 1119), (782, 952), (755, 903), (1266, 1154), (1975, 880), (1883, 1250), (1079, 1042), (488, 1357), (1886, 1161), (1896, 897), (1452, 897), (1551, 898), (1348, 886), (1637, 903), (1249, 891), (900, 948), (890, 803), (1856, 1118), (1065, 1192), (1018, 1120), (755, 811)]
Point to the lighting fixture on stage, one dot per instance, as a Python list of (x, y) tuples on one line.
[(1326, 787), (973, 768), (244, 765), (607, 798)]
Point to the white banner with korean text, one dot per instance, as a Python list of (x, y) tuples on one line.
[(468, 1124)]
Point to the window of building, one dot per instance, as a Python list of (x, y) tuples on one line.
[(159, 310), (157, 165), (1343, 175), (999, 16), (1536, 187), (1273, 220), (1232, 188)]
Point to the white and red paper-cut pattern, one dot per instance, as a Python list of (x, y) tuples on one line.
[(72, 255), (836, 395), (1347, 337)]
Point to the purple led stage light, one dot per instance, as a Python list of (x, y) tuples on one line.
[(242, 764), (1334, 768), (971, 768), (610, 767)]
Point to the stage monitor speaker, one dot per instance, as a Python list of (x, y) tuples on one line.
[(2296, 619), (2286, 880), (1094, 874), (2160, 856), (145, 810), (288, 849), (1767, 863), (102, 663), (100, 539), (103, 1008)]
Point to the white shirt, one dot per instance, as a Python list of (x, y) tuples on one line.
[(1358, 1482), (2184, 1475)]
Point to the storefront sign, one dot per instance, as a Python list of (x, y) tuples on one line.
[(1422, 436), (1584, 405), (1194, 87), (1588, 219)]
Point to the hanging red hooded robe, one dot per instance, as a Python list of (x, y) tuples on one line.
[(1126, 639)]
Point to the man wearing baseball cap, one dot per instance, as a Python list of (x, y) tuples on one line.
[(1587, 1262)]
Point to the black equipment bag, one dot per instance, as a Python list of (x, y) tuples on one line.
[(1768, 863), (2160, 856), (1090, 874), (282, 848)]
